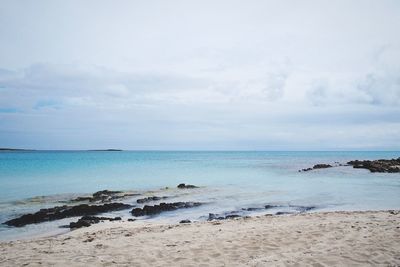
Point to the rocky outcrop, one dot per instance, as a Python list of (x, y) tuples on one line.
[(162, 207), (86, 221), (322, 166), (380, 165), (185, 221), (104, 196), (316, 167), (186, 186), (149, 199), (61, 212), (212, 217)]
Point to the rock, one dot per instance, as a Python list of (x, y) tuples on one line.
[(131, 220), (322, 166), (186, 186), (156, 209), (104, 196), (149, 199), (270, 206), (380, 165), (252, 209), (317, 166), (185, 221), (215, 217), (212, 217), (81, 199), (80, 223), (86, 221), (61, 212)]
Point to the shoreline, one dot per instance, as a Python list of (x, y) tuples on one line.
[(331, 238)]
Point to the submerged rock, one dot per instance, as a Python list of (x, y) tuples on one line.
[(380, 165), (61, 212), (104, 196), (186, 186), (149, 199), (302, 208), (317, 166), (156, 209), (185, 221), (212, 217), (322, 166), (268, 206)]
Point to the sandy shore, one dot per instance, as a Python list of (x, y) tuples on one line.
[(318, 239)]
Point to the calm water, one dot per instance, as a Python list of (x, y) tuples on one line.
[(229, 181)]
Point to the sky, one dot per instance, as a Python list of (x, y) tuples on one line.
[(200, 75)]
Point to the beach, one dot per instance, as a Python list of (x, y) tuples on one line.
[(367, 238)]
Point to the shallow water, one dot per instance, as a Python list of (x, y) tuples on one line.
[(229, 181)]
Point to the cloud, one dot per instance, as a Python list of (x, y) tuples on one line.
[(381, 89), (212, 75), (379, 86)]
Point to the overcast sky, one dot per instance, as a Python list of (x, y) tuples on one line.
[(236, 75)]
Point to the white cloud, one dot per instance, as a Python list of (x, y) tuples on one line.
[(177, 74)]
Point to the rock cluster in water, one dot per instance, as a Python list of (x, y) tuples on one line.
[(317, 166), (62, 212), (186, 186), (157, 209), (212, 217), (104, 196), (87, 221), (380, 165), (149, 199)]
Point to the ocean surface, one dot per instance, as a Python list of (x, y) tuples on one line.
[(230, 183)]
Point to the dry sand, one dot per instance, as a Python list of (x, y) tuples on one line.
[(318, 239)]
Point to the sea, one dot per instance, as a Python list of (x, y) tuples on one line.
[(229, 182)]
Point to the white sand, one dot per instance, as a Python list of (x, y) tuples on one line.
[(318, 239)]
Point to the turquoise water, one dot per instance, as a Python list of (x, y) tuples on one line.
[(229, 180)]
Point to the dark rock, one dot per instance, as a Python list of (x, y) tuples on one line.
[(186, 186), (101, 193), (317, 166), (62, 212), (149, 199), (252, 209), (322, 166), (394, 212), (86, 221), (185, 221), (81, 199), (131, 220), (156, 209), (212, 217), (380, 165), (80, 223), (270, 206), (104, 196)]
